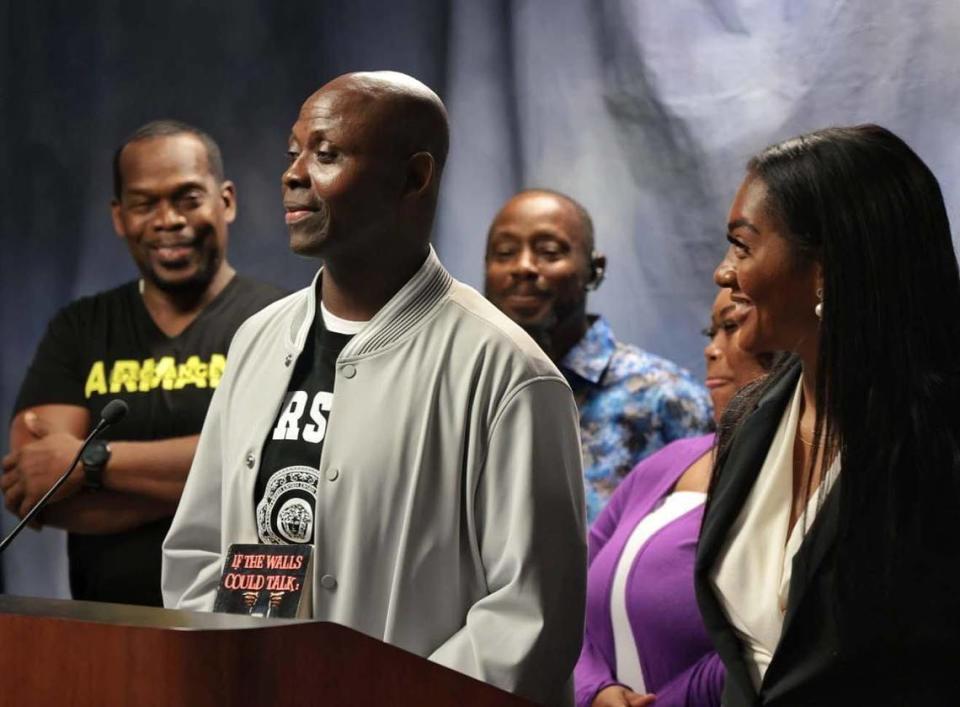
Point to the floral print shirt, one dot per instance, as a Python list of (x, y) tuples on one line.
[(631, 404)]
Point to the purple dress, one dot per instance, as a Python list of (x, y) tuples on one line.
[(678, 660)]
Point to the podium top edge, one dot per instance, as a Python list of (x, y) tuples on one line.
[(131, 615)]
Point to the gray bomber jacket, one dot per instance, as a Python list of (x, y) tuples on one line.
[(455, 526)]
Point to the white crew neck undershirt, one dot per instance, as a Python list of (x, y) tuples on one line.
[(338, 325)]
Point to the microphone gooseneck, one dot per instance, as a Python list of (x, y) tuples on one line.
[(112, 413)]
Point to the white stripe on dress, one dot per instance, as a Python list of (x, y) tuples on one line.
[(628, 669)]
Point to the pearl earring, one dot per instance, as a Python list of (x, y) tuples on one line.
[(818, 310)]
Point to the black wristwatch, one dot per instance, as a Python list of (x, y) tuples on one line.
[(94, 460)]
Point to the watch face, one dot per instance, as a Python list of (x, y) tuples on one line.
[(96, 454)]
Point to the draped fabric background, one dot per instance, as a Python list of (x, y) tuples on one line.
[(645, 111)]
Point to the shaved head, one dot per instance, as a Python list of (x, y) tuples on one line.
[(403, 111), (367, 152), (577, 211)]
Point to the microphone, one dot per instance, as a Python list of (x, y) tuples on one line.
[(111, 414)]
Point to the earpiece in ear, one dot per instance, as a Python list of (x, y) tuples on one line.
[(597, 271)]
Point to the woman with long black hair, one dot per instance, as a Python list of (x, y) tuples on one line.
[(828, 569)]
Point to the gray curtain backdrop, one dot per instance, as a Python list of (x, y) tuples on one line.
[(644, 110)]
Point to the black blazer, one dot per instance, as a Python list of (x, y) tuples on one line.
[(808, 666)]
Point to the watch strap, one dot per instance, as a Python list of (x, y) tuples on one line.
[(94, 461)]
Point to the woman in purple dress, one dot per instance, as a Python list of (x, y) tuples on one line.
[(644, 639)]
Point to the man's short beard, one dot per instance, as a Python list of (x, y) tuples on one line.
[(558, 319), (542, 331), (195, 285)]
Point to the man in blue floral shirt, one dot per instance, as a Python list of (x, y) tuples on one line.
[(540, 264)]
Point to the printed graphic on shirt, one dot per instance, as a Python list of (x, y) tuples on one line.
[(285, 494), (290, 424), (133, 376), (285, 510), (285, 513)]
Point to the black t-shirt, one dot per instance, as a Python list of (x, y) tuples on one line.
[(107, 346), (286, 489)]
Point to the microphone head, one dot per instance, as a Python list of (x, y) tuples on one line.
[(113, 411)]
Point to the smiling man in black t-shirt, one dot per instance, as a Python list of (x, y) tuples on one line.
[(159, 343)]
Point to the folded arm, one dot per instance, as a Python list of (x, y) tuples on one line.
[(142, 481)]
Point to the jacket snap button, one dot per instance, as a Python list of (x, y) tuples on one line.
[(349, 371), (333, 474), (250, 460), (328, 581), (288, 360)]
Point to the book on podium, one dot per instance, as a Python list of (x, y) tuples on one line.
[(79, 654)]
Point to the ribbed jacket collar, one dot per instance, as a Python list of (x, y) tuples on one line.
[(417, 298)]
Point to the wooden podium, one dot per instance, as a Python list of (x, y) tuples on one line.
[(59, 653)]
